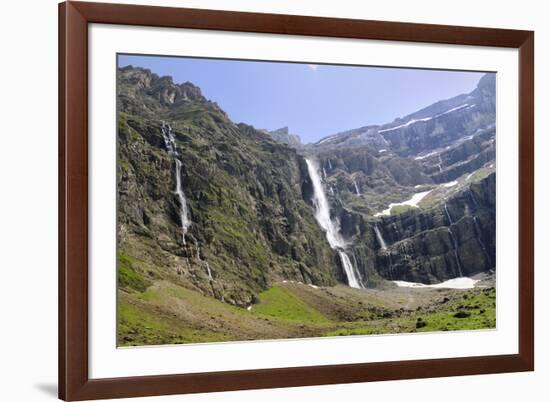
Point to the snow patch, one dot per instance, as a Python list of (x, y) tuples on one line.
[(456, 283), (413, 202), (450, 184), (466, 105), (327, 139), (407, 124), (420, 157)]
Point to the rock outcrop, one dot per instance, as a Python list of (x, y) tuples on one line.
[(249, 195), (251, 221)]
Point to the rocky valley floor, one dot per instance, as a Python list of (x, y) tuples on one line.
[(165, 313)]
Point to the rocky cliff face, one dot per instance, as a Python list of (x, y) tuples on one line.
[(250, 221), (446, 150), (282, 135), (248, 194), (436, 126), (455, 238)]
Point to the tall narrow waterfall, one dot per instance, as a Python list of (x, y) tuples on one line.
[(170, 143), (356, 187), (349, 269), (448, 215), (209, 272), (440, 163), (455, 248), (322, 215), (480, 240), (380, 238)]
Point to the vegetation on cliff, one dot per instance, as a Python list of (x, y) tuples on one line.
[(254, 262)]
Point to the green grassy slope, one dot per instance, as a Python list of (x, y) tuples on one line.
[(165, 313)]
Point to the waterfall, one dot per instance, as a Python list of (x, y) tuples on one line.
[(170, 143), (455, 248), (384, 247), (392, 275), (329, 164), (380, 238), (448, 215), (439, 164), (480, 241), (324, 174), (322, 215), (209, 272), (349, 269), (356, 187)]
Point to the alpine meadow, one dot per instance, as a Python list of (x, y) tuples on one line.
[(234, 231)]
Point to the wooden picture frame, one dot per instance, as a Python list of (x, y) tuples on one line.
[(74, 381)]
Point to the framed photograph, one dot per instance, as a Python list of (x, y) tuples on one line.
[(260, 200)]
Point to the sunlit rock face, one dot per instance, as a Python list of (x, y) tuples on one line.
[(250, 199)]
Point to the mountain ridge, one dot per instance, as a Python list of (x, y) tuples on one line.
[(250, 196)]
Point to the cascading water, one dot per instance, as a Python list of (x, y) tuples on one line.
[(455, 248), (208, 270), (392, 275), (480, 240), (356, 187), (440, 163), (322, 215), (380, 238), (349, 269), (384, 247), (448, 215), (170, 143)]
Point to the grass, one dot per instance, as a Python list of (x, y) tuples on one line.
[(480, 174), (399, 209), (166, 313), (149, 320), (281, 304), (138, 327), (128, 276), (475, 311)]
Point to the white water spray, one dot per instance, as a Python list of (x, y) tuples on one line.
[(455, 248), (480, 240), (439, 164), (380, 238), (448, 215), (170, 143), (209, 272), (356, 187), (331, 228), (349, 269)]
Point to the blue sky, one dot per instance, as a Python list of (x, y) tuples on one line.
[(312, 100)]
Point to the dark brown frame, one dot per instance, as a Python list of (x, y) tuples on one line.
[(74, 17)]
